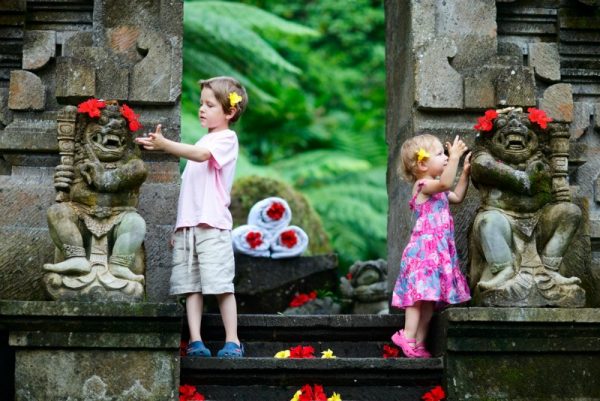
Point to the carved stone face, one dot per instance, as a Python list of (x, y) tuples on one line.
[(107, 136), (513, 140)]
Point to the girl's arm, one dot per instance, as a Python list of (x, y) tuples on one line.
[(458, 195), (455, 151), (156, 141)]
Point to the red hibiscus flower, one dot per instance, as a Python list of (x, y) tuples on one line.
[(539, 117), (288, 238), (188, 392), (254, 239), (435, 394), (349, 276), (310, 394), (389, 351), (131, 118), (486, 123), (301, 299), (183, 348), (276, 210), (302, 351), (91, 107)]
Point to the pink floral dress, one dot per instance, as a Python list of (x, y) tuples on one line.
[(429, 269)]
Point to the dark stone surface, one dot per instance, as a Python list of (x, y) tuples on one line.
[(510, 353), (265, 285)]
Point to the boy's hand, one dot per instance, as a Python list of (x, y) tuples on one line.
[(154, 141), (457, 148)]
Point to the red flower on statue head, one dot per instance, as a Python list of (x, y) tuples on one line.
[(131, 117), (486, 123), (288, 238), (539, 117), (91, 107), (254, 239), (276, 210), (301, 299)]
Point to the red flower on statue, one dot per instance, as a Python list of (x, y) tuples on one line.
[(254, 239), (301, 299), (276, 210), (302, 351), (315, 393), (486, 123), (435, 394), (539, 117), (131, 118), (288, 238), (91, 107), (389, 351)]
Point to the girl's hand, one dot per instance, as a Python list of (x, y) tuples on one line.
[(467, 164), (154, 140), (457, 148)]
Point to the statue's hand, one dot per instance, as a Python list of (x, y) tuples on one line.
[(91, 171)]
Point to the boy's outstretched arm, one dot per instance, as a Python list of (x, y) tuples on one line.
[(156, 141)]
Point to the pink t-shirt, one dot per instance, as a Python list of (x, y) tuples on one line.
[(204, 196)]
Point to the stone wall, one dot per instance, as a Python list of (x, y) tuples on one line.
[(60, 52), (448, 61)]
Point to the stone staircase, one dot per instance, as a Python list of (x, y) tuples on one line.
[(358, 373)]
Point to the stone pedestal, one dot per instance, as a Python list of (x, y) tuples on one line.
[(93, 351), (522, 354)]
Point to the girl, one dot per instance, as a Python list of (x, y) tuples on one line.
[(203, 253), (429, 270)]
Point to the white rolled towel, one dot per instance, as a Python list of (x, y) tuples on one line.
[(289, 242), (251, 240), (271, 214)]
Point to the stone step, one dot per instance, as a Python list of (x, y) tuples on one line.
[(358, 373)]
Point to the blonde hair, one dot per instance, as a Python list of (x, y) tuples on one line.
[(222, 87), (408, 154)]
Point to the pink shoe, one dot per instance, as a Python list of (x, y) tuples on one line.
[(401, 341), (421, 350)]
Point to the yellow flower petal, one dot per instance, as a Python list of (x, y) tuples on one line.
[(283, 354), (234, 98), (296, 396), (335, 397), (328, 354), (422, 154)]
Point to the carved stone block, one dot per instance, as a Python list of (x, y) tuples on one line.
[(38, 48), (151, 77), (545, 60), (515, 85), (26, 91), (438, 85), (112, 80), (558, 102), (74, 78)]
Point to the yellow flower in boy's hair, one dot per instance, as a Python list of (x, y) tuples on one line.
[(234, 98), (283, 354), (335, 397), (422, 154), (327, 354), (296, 396)]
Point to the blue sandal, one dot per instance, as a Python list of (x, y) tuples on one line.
[(197, 348), (231, 350)]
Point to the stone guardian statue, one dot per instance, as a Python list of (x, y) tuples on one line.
[(526, 220), (94, 223)]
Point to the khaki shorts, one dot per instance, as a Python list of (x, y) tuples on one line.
[(202, 261)]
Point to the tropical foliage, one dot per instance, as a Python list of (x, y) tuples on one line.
[(316, 112)]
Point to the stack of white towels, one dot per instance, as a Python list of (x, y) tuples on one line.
[(268, 233)]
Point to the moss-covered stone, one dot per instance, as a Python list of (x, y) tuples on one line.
[(249, 190)]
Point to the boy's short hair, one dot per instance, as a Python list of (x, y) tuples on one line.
[(222, 87), (408, 154)]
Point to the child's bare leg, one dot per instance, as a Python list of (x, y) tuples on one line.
[(228, 309), (412, 317), (193, 307), (426, 314)]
